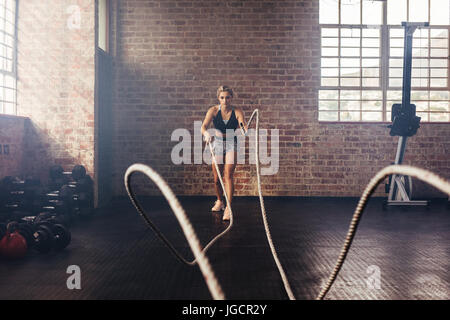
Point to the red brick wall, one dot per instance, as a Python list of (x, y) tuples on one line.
[(171, 57), (56, 76)]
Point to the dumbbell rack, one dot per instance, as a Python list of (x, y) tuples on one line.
[(41, 217)]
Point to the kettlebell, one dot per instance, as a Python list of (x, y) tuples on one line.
[(13, 245)]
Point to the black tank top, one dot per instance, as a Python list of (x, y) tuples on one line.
[(221, 126)]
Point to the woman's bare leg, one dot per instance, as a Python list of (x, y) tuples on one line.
[(217, 186), (228, 174)]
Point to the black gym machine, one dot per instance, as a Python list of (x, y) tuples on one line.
[(404, 124)]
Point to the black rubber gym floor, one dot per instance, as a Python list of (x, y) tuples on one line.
[(120, 258)]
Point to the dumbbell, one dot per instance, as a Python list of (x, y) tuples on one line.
[(79, 196), (59, 202), (57, 172), (78, 172), (22, 195), (52, 217), (44, 236), (61, 236)]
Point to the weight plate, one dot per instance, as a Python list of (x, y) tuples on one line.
[(62, 237)]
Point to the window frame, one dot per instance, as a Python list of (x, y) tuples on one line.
[(384, 67), (13, 72)]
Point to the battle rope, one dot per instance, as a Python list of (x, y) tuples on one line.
[(421, 174), (287, 287), (199, 254), (207, 272)]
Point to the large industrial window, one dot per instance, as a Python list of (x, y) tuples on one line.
[(362, 59), (7, 56)]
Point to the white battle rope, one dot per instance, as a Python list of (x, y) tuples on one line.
[(421, 174), (287, 287), (199, 254)]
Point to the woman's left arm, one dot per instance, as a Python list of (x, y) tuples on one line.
[(241, 120)]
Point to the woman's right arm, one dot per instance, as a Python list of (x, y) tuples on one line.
[(207, 122)]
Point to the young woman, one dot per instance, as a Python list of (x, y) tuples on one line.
[(223, 116)]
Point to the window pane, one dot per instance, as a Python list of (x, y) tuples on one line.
[(350, 94), (419, 95), (371, 42), (438, 117), (330, 72), (394, 95), (350, 12), (350, 42), (396, 42), (388, 116), (330, 51), (438, 82), (328, 94), (350, 52), (350, 116), (330, 82), (439, 95), (10, 81), (350, 105), (371, 52), (419, 73), (439, 43), (396, 11), (371, 72), (442, 63), (439, 33), (439, 106), (396, 72), (396, 52), (372, 116), (372, 12), (439, 72), (329, 62), (439, 12), (418, 10), (330, 42), (372, 105), (370, 62), (9, 108), (421, 106), (330, 32), (370, 82), (328, 116), (397, 32), (349, 62), (420, 63), (328, 105), (419, 82), (371, 33), (350, 72), (395, 82), (439, 53), (328, 11), (9, 94), (420, 43), (423, 115), (372, 95), (351, 32)]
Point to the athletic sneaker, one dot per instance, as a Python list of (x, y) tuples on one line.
[(226, 214), (218, 206)]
